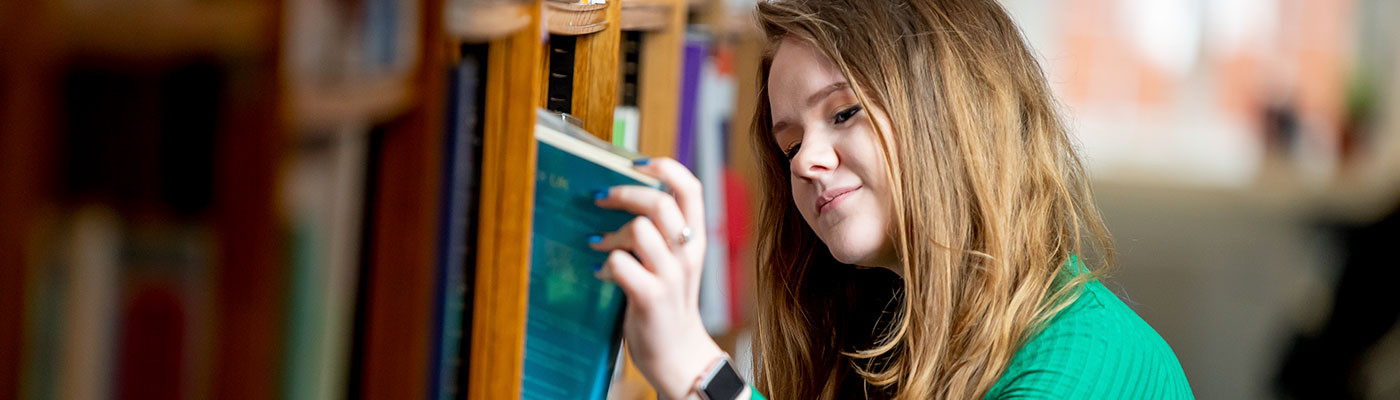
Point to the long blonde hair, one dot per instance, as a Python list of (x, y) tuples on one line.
[(989, 203)]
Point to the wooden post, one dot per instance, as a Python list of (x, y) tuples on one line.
[(658, 93), (513, 90), (595, 75), (598, 30)]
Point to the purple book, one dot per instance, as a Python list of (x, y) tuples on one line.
[(697, 49)]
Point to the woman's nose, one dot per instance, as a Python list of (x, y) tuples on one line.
[(814, 159)]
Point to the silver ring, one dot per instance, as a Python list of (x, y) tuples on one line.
[(685, 236)]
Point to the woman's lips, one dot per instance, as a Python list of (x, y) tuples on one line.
[(832, 198)]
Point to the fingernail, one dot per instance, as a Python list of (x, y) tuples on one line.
[(640, 162), (597, 267), (600, 194), (595, 238)]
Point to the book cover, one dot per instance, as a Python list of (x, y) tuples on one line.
[(574, 320)]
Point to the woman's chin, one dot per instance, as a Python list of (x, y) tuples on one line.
[(853, 257)]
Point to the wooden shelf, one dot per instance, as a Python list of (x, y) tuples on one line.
[(224, 27), (573, 19), (646, 15), (659, 81), (513, 88), (372, 101), (478, 23)]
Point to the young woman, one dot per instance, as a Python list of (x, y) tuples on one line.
[(921, 228)]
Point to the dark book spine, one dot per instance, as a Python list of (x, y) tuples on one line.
[(457, 238)]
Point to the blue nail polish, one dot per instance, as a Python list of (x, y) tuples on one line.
[(597, 267), (595, 238), (600, 194), (640, 162)]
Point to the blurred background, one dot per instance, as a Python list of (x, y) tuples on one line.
[(1245, 155), (281, 198)]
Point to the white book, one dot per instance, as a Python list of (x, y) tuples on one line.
[(713, 110)]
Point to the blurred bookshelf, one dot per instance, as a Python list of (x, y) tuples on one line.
[(320, 198)]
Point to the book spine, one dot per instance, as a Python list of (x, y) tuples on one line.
[(714, 106), (738, 224), (696, 51), (462, 143), (324, 191), (343, 258)]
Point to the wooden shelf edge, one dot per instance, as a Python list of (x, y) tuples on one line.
[(485, 22), (503, 239), (316, 107), (645, 15), (224, 26), (573, 19)]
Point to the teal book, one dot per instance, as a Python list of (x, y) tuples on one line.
[(574, 321)]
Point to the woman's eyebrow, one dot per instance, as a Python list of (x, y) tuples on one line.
[(779, 127), (812, 101), (826, 91)]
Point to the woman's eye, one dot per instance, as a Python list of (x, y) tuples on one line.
[(792, 151), (844, 115)]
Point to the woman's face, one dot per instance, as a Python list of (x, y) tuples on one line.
[(838, 175)]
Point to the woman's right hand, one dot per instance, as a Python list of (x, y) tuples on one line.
[(662, 325)]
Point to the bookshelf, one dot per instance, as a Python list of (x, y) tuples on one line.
[(225, 27), (402, 217), (513, 90), (21, 193), (47, 97), (588, 34), (378, 129), (580, 66), (375, 100), (662, 23), (480, 22)]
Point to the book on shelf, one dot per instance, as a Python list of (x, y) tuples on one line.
[(627, 117), (72, 319), (714, 106), (457, 237), (334, 43), (324, 192), (123, 290), (627, 122), (574, 320), (707, 104), (696, 51)]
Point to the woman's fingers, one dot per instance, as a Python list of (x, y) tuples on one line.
[(685, 187), (640, 237), (652, 203), (636, 282)]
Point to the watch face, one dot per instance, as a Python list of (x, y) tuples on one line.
[(725, 384)]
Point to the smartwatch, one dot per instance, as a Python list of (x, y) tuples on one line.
[(721, 382)]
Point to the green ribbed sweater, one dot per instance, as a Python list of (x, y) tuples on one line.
[(1097, 348)]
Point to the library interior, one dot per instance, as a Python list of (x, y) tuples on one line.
[(331, 199)]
